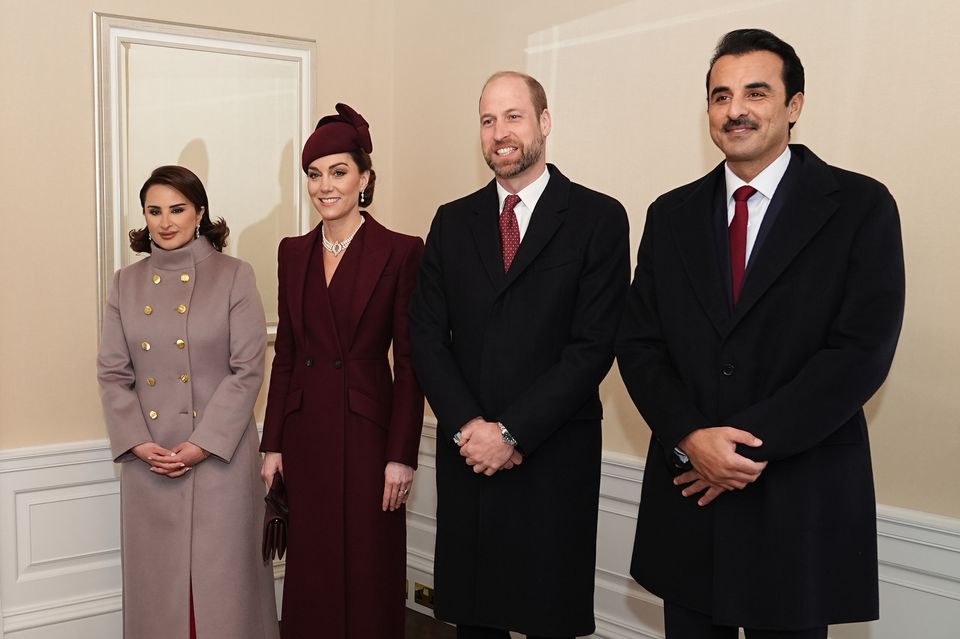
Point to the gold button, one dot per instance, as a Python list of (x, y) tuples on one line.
[(148, 310), (145, 345), (182, 309), (181, 344), (156, 278), (151, 381), (184, 277), (153, 414), (184, 378), (194, 413)]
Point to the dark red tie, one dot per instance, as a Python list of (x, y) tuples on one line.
[(509, 231), (738, 237)]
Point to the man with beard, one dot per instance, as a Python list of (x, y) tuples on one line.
[(764, 313), (513, 325)]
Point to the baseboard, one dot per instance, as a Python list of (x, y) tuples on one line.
[(60, 559)]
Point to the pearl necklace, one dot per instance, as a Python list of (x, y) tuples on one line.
[(338, 247)]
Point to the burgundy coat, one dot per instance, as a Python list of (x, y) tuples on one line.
[(338, 416)]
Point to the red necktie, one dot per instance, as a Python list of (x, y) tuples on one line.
[(738, 237), (509, 231)]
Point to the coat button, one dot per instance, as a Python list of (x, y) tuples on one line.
[(338, 364), (308, 361), (151, 381), (148, 310), (181, 344), (145, 345), (156, 278), (184, 277), (182, 308), (153, 414), (727, 370), (184, 378), (194, 413)]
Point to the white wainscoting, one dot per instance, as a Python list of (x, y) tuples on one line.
[(60, 559)]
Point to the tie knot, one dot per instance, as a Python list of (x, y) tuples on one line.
[(743, 194), (510, 203)]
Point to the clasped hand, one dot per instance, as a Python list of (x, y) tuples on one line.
[(481, 443), (170, 462), (717, 467)]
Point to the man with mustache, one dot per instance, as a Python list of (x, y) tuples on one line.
[(513, 324), (764, 312)]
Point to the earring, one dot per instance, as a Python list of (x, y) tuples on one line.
[(149, 237), (361, 197), (196, 234)]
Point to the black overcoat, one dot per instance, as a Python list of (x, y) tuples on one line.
[(529, 349), (810, 341)]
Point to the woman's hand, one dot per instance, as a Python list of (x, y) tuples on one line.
[(162, 460), (397, 479), (189, 455), (272, 464)]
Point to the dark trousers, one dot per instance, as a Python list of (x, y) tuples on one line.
[(683, 623), (476, 632)]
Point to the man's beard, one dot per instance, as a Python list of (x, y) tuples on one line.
[(528, 157)]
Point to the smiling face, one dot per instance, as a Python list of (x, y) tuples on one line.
[(749, 111), (172, 219), (512, 134), (334, 183)]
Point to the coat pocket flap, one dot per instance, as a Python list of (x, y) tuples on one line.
[(362, 404)]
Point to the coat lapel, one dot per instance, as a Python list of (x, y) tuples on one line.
[(805, 208), (693, 231), (299, 262), (546, 219), (486, 232), (376, 252)]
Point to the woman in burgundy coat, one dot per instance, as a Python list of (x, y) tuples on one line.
[(341, 429)]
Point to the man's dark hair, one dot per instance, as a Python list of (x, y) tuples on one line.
[(744, 41)]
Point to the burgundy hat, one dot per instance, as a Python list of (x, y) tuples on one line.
[(347, 131)]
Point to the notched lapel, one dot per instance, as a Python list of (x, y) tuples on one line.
[(299, 261), (692, 225), (486, 233), (376, 252), (806, 208), (546, 219)]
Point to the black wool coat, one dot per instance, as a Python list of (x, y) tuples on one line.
[(529, 349), (810, 341)]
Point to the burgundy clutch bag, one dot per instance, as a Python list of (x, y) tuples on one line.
[(275, 520)]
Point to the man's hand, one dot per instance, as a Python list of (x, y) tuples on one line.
[(482, 445), (713, 453), (697, 485)]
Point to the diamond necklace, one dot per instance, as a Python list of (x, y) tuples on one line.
[(339, 247)]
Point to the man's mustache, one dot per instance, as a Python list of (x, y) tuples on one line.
[(739, 123)]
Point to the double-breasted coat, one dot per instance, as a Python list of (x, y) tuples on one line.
[(181, 358), (810, 340), (529, 349), (338, 415)]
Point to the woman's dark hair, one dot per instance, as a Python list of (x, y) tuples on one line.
[(364, 163), (744, 41), (190, 186)]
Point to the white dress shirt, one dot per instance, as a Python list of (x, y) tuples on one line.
[(765, 183), (529, 196)]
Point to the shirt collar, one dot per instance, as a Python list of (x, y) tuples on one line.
[(766, 181), (530, 194)]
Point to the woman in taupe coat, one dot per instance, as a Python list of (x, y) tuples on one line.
[(180, 367)]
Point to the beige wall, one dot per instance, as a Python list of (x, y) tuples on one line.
[(881, 99), (625, 81)]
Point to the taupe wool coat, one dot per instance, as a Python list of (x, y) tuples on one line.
[(181, 358)]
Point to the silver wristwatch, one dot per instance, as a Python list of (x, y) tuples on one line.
[(507, 437)]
